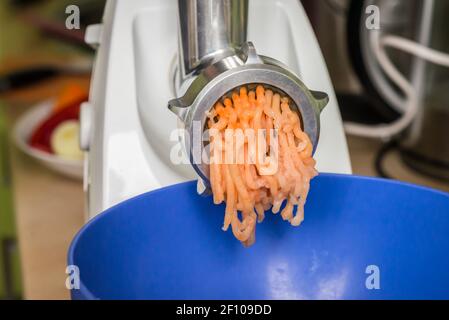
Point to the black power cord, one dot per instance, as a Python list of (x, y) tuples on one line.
[(406, 155), (380, 156)]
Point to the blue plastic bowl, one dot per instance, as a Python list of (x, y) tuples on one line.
[(362, 238)]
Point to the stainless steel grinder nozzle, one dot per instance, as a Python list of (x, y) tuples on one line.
[(225, 66)]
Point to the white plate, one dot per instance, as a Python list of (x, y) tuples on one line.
[(23, 129)]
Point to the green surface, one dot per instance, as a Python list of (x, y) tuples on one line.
[(20, 38), (10, 278)]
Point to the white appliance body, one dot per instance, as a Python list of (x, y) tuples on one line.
[(126, 125)]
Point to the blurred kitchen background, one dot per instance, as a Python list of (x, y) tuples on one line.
[(45, 74)]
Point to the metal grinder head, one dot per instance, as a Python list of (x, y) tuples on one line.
[(243, 68)]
